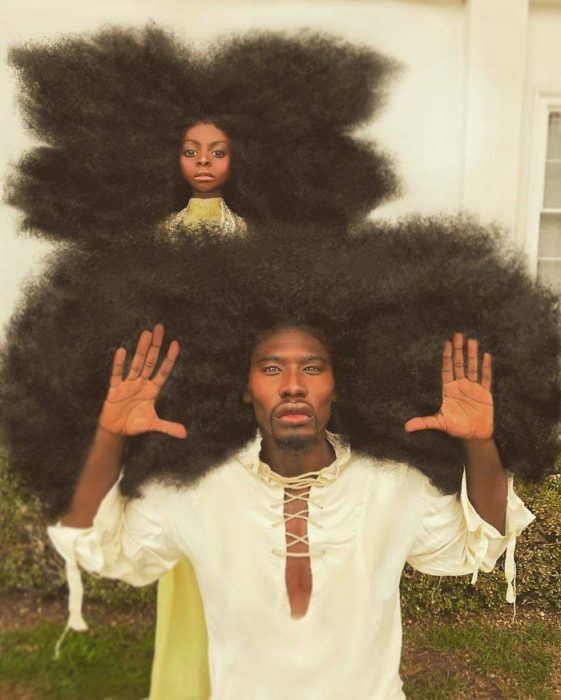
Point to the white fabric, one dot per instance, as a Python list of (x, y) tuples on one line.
[(367, 518)]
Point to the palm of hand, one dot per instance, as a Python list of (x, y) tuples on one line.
[(467, 410), (130, 407), (467, 404)]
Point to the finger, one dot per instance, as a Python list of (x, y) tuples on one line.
[(425, 423), (473, 350), (487, 372), (176, 430), (153, 351), (458, 355), (447, 371), (167, 365), (117, 369), (140, 355)]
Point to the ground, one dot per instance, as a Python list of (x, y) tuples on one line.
[(482, 656)]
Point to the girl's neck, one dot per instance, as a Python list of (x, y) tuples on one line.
[(215, 194)]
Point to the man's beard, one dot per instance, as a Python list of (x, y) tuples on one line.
[(296, 443), (299, 444)]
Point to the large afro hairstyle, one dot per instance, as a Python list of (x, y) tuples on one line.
[(109, 110), (384, 296)]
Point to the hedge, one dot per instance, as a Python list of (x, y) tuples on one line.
[(28, 563)]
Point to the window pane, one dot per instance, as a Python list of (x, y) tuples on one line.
[(550, 273), (554, 136), (550, 236), (552, 190)]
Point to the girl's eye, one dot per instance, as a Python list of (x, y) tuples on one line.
[(189, 152), (219, 154)]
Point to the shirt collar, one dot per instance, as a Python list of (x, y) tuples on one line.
[(249, 458)]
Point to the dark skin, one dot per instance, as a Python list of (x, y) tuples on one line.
[(467, 414), (205, 159), (291, 388)]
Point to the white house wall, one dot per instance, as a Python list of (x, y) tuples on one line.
[(495, 63), (458, 120)]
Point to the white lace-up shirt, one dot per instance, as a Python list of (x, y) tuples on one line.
[(365, 520)]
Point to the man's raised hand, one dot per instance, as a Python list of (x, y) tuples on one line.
[(467, 404), (129, 408)]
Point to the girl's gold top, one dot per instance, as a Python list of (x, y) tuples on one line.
[(211, 211)]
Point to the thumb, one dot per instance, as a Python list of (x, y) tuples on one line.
[(424, 423), (176, 430)]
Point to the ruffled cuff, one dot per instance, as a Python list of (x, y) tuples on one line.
[(83, 546), (487, 543)]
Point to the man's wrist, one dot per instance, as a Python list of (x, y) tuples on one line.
[(470, 444), (105, 432)]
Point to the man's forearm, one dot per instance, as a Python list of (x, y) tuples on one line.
[(99, 474), (487, 484)]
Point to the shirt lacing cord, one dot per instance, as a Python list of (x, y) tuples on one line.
[(75, 595), (297, 483), (509, 568), (297, 539)]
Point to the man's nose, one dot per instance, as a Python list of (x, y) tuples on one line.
[(293, 385)]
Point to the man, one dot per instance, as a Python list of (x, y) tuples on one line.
[(298, 543)]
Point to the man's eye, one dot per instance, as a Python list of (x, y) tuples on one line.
[(271, 369), (312, 369)]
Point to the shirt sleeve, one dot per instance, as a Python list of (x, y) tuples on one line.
[(131, 540), (452, 539)]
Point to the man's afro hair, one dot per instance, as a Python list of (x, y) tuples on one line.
[(386, 297)]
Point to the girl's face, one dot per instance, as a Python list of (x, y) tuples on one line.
[(205, 159)]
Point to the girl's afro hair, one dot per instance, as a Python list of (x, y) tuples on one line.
[(110, 110), (385, 297)]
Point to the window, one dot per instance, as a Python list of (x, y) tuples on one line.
[(549, 237)]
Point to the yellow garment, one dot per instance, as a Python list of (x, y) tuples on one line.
[(180, 668), (213, 210)]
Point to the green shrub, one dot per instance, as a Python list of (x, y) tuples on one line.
[(28, 563), (538, 565)]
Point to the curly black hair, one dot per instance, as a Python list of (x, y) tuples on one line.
[(110, 109), (384, 295)]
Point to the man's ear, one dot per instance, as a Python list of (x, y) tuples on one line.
[(246, 397)]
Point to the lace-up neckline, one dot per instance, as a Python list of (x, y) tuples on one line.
[(302, 514), (297, 488)]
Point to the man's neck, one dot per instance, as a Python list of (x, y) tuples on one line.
[(293, 462)]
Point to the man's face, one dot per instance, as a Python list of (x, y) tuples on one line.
[(291, 386), (205, 158)]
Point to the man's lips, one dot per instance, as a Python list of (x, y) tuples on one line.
[(293, 414), (294, 419)]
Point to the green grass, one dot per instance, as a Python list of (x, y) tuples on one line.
[(108, 662), (434, 684), (520, 658), (443, 661)]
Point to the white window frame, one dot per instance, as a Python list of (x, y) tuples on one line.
[(544, 104)]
